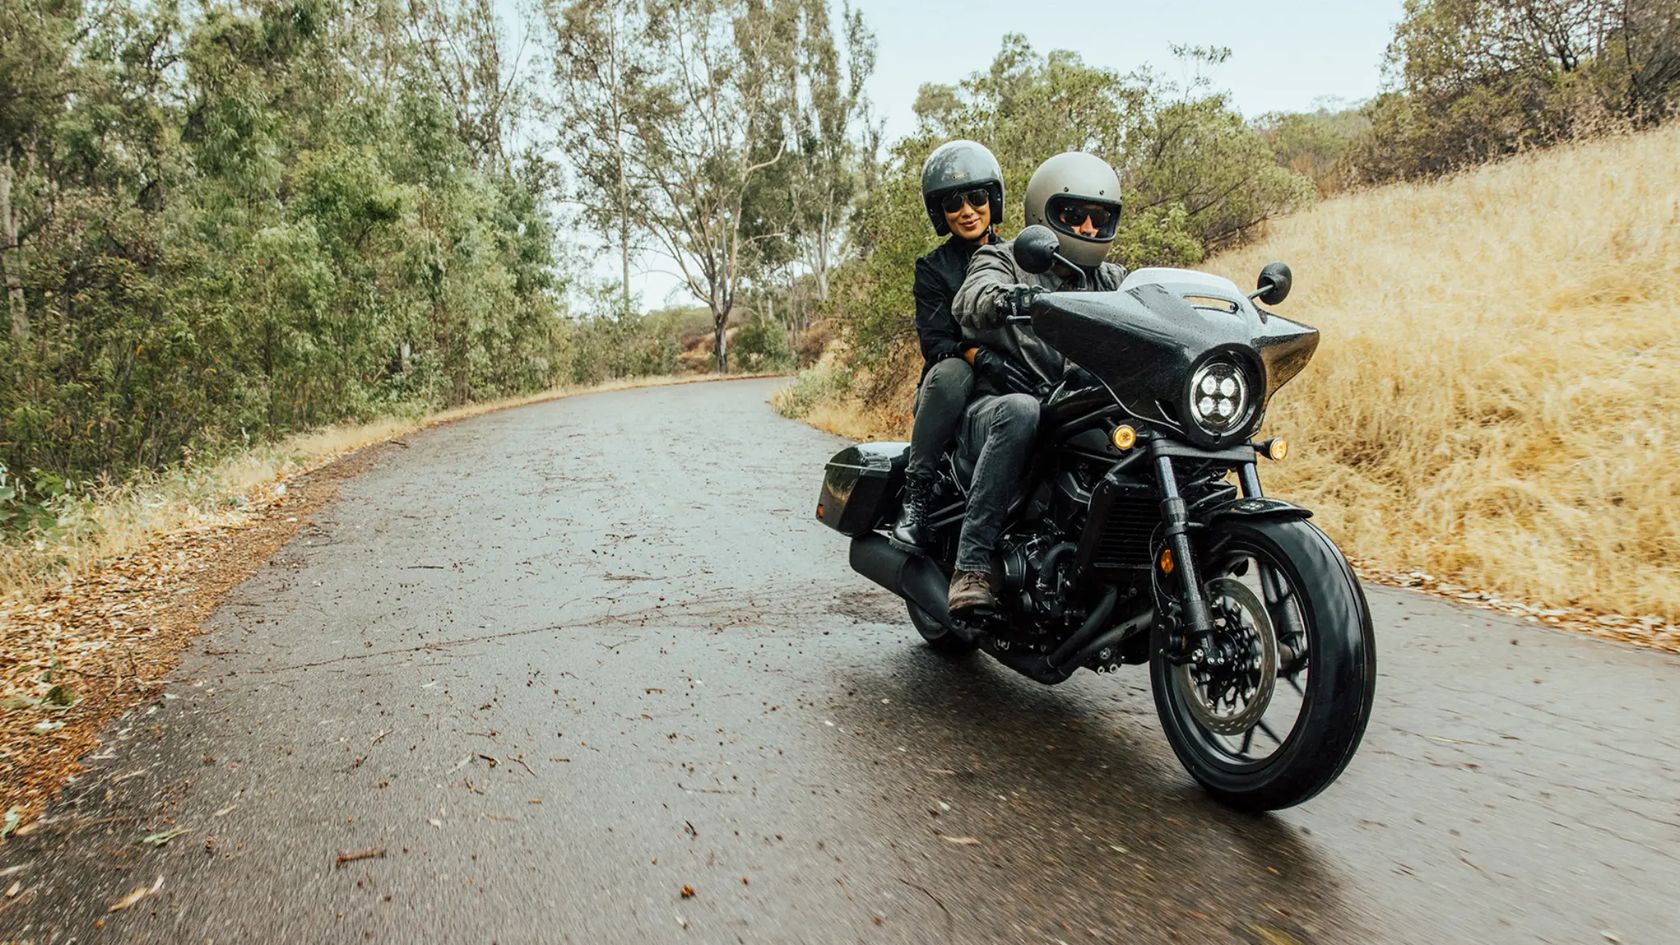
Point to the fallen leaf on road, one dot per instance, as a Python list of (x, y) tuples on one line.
[(435, 823), (225, 811), (162, 837), (688, 892), (14, 889), (139, 893), (368, 854), (962, 841)]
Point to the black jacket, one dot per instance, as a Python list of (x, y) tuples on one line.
[(938, 276)]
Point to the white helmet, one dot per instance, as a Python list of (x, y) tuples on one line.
[(1068, 189)]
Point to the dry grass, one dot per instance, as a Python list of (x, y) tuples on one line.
[(122, 520), (1496, 400)]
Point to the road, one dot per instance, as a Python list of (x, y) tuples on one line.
[(566, 663)]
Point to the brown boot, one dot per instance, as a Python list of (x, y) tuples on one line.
[(971, 594)]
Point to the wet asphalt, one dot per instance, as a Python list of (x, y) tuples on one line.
[(588, 671)]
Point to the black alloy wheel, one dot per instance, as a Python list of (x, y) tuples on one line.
[(1273, 715)]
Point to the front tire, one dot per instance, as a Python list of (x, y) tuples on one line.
[(1331, 668)]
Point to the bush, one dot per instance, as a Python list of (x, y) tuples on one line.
[(760, 345), (823, 383)]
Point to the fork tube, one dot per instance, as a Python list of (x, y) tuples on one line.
[(1250, 480), (1197, 617), (1269, 580)]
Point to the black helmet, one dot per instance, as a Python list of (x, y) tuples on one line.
[(960, 165)]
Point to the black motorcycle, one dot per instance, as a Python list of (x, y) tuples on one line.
[(1141, 535)]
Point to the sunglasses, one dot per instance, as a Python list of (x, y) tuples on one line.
[(978, 198), (1073, 214)]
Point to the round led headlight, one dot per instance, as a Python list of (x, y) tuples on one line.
[(1218, 397)]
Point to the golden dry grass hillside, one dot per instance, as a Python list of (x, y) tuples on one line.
[(1496, 399), (1497, 394)]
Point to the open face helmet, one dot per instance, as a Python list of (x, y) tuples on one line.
[(954, 171)]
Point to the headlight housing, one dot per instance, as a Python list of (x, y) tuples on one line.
[(1221, 400)]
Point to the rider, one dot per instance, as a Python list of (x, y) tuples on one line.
[(962, 189), (1078, 196)]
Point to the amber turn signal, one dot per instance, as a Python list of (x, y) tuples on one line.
[(1124, 437), (1166, 561), (1274, 449)]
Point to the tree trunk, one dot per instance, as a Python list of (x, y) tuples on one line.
[(9, 263), (720, 338), (618, 148)]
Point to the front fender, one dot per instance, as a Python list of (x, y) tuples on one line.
[(1251, 509)]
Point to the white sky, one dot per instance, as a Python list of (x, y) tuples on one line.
[(1285, 55)]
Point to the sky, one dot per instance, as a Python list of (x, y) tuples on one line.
[(1285, 55)]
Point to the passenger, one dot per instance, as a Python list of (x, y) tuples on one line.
[(962, 189)]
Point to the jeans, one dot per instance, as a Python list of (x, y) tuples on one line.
[(939, 409), (997, 434)]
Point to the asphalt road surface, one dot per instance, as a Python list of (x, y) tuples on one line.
[(589, 672)]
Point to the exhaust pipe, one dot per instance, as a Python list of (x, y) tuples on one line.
[(910, 576)]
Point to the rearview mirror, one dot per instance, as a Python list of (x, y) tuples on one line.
[(1274, 283), (1035, 248)]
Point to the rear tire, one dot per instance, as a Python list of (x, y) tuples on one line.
[(939, 639), (1340, 669)]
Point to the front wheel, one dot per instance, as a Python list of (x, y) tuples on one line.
[(1274, 714)]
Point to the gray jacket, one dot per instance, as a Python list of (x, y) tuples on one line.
[(981, 302)]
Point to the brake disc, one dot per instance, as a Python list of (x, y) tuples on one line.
[(1243, 629)]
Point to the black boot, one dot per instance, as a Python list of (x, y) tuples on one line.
[(910, 531)]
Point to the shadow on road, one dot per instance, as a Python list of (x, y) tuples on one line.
[(1077, 785)]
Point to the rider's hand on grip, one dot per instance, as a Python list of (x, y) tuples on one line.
[(1021, 298)]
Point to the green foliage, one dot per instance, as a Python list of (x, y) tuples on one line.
[(622, 345), (1317, 144), (1472, 80), (761, 345), (819, 384), (252, 220)]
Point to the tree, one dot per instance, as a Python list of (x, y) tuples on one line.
[(699, 115), (828, 104), (596, 71), (1471, 80), (36, 41)]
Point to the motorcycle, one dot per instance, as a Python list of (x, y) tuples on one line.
[(1141, 534)]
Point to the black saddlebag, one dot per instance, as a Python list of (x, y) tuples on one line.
[(861, 485)]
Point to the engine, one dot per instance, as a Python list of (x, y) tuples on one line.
[(1034, 570)]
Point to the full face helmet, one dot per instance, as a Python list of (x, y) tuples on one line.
[(956, 168), (1067, 191)]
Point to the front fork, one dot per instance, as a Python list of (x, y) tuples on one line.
[(1195, 640)]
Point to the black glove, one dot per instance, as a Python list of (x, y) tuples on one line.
[(1020, 298), (1003, 375)]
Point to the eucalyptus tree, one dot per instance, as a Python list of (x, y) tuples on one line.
[(690, 107), (597, 71)]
